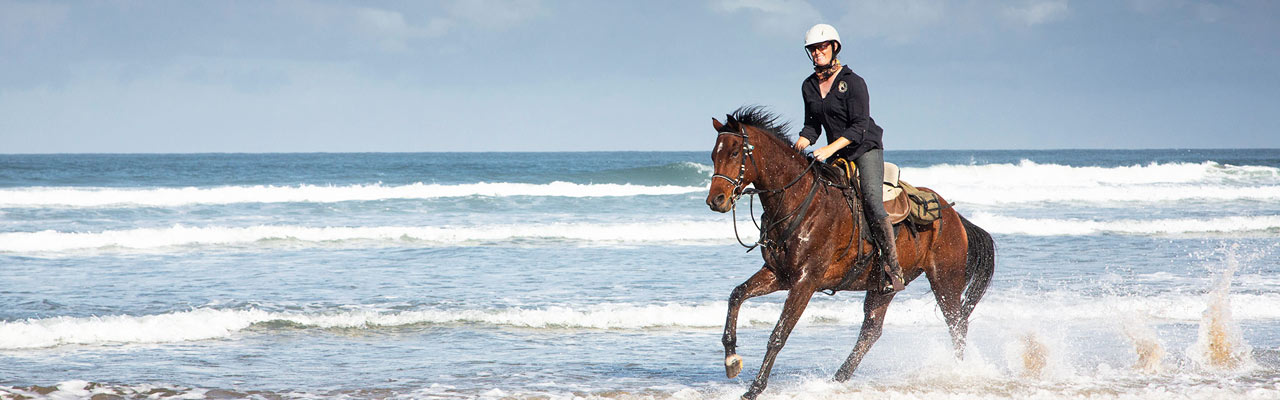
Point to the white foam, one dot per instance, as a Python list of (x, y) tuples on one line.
[(80, 389), (174, 197), (702, 169), (714, 230), (174, 327), (995, 223), (931, 385), (1028, 182), (946, 380), (206, 323), (991, 184), (679, 232), (1030, 173)]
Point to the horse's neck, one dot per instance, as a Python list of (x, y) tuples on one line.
[(779, 167)]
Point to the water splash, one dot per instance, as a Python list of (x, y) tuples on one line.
[(1220, 346), (1035, 356), (1146, 344)]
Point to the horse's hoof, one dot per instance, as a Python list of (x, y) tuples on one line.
[(732, 365)]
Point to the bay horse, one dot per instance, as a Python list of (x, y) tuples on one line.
[(811, 237)]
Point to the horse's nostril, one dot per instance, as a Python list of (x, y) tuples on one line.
[(719, 199)]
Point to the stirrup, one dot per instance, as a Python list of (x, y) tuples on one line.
[(889, 284)]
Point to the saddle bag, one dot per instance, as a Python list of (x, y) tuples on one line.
[(925, 206)]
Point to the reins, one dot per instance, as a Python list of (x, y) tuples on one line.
[(796, 216)]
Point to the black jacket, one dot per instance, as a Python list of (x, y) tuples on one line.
[(845, 112)]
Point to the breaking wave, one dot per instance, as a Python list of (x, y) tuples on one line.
[(1030, 182), (1166, 226), (694, 232), (1024, 182), (681, 232), (209, 323), (177, 197)]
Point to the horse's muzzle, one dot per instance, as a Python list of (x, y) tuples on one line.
[(719, 202)]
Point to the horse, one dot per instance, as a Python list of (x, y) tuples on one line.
[(812, 239)]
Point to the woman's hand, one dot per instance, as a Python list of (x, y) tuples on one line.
[(801, 144), (824, 152)]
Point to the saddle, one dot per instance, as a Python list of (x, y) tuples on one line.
[(901, 200)]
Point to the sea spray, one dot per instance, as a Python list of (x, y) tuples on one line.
[(1038, 354), (1220, 346), (1146, 344), (1035, 355)]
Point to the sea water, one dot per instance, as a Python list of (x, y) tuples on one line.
[(1120, 274)]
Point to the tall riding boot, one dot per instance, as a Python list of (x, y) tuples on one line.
[(882, 232)]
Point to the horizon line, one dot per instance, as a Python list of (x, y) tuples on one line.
[(600, 151)]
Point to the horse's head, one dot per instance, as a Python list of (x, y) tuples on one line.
[(730, 159)]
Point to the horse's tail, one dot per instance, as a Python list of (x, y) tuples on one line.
[(980, 265)]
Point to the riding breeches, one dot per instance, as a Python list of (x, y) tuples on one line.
[(870, 182)]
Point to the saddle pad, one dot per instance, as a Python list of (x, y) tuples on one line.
[(890, 191), (891, 188)]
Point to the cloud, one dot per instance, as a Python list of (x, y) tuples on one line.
[(1152, 6), (1210, 13), (387, 28), (21, 21), (898, 21), (392, 31), (1200, 11), (1036, 12), (494, 14), (779, 17)]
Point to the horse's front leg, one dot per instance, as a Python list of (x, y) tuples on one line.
[(873, 308), (797, 299), (762, 283)]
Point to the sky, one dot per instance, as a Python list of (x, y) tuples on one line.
[(585, 75)]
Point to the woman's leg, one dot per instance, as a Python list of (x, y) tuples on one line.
[(871, 178)]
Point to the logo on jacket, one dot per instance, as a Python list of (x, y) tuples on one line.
[(843, 86)]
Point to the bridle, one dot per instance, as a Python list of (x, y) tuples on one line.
[(739, 189)]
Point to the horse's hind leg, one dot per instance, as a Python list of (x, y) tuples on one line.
[(762, 283), (874, 308), (948, 294)]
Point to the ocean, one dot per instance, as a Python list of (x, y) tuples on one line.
[(1120, 274)]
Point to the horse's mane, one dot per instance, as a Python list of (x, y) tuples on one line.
[(760, 117)]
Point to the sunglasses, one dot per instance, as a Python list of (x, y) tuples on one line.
[(818, 46)]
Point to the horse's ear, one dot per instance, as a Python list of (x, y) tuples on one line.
[(716, 123), (730, 121)]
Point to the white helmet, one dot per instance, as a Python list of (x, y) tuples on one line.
[(822, 33)]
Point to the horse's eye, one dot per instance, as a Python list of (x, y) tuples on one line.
[(733, 154)]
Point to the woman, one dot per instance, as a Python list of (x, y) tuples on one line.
[(835, 100)]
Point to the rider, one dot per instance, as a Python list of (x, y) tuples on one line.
[(835, 100)]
